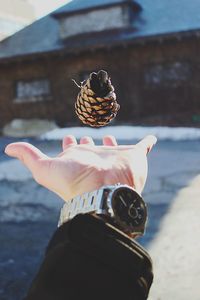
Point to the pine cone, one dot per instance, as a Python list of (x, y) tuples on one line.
[(96, 103)]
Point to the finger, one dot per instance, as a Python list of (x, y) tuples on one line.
[(87, 140), (68, 141), (109, 140), (28, 154), (147, 143)]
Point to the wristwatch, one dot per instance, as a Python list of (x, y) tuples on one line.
[(120, 203)]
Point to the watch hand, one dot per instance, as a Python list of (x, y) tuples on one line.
[(123, 201)]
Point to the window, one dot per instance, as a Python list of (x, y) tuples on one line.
[(32, 91), (172, 74)]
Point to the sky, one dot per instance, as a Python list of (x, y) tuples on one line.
[(43, 7)]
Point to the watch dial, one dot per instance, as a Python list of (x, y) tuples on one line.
[(129, 208)]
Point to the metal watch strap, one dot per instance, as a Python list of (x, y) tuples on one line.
[(85, 203)]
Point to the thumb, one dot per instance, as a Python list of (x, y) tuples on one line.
[(28, 154), (147, 143)]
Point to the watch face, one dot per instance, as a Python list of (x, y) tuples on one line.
[(129, 209)]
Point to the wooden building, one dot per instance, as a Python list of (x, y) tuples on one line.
[(150, 49)]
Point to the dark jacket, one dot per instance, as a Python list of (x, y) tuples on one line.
[(90, 259)]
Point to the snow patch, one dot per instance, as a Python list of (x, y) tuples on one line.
[(14, 170), (28, 128), (126, 133)]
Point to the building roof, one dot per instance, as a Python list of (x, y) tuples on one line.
[(155, 18)]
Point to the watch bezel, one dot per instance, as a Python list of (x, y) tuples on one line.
[(139, 230)]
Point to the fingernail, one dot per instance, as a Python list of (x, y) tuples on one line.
[(6, 150)]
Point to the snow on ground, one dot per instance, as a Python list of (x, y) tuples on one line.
[(14, 170), (126, 133), (175, 250)]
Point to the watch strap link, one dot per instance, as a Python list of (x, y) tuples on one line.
[(85, 203)]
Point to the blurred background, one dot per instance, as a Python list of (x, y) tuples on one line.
[(151, 51)]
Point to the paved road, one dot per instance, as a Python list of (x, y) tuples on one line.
[(29, 213)]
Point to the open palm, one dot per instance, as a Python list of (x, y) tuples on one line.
[(85, 167)]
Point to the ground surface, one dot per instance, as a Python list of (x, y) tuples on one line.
[(29, 214)]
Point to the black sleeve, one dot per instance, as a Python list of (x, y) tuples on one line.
[(90, 259)]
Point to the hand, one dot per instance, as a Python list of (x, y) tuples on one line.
[(86, 167)]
